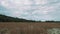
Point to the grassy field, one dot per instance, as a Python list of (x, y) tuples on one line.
[(26, 28)]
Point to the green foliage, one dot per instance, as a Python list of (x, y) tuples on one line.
[(4, 18)]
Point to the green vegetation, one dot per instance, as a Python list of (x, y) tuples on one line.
[(4, 18)]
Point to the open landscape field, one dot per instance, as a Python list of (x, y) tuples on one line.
[(26, 28)]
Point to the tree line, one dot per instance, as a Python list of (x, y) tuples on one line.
[(4, 18)]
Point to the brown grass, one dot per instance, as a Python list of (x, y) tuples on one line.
[(26, 28)]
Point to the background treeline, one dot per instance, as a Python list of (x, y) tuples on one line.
[(4, 18)]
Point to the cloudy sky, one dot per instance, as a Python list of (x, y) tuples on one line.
[(31, 9)]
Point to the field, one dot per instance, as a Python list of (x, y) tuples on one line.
[(26, 28)]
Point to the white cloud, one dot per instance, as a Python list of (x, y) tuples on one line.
[(28, 2), (31, 9), (42, 2), (4, 3)]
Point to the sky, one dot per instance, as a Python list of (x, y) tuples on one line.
[(31, 9)]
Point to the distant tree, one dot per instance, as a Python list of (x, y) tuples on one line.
[(4, 18), (49, 21)]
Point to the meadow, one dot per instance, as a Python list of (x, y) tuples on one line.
[(26, 28)]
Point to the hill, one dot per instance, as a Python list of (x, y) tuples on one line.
[(4, 18)]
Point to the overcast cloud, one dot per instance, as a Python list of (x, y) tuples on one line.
[(31, 9)]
